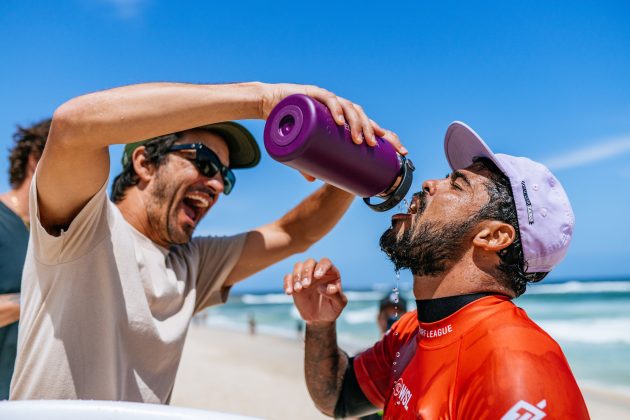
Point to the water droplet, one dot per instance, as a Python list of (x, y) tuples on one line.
[(395, 363), (397, 354)]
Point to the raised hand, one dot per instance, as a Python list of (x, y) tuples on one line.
[(316, 290), (342, 110)]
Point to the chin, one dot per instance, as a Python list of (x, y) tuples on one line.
[(180, 234)]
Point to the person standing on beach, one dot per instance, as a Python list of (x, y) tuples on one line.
[(28, 147), (109, 288), (473, 241)]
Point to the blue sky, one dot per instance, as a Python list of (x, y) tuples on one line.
[(538, 79)]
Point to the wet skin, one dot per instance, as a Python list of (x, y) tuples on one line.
[(457, 197)]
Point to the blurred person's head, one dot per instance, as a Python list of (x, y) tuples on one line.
[(169, 183), (28, 146), (390, 309), (504, 221)]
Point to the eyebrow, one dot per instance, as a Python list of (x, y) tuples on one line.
[(457, 174)]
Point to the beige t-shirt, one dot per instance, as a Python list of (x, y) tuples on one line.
[(105, 311)]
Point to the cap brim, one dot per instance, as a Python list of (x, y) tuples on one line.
[(244, 151), (462, 145)]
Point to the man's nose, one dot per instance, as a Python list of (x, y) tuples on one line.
[(215, 183), (429, 186)]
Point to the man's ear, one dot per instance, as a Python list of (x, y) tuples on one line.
[(494, 236), (141, 165)]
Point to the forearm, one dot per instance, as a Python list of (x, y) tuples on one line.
[(9, 308), (137, 112), (314, 217), (294, 232), (324, 366)]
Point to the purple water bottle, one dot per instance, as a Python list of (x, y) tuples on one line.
[(301, 133)]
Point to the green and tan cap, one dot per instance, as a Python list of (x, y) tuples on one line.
[(244, 151)]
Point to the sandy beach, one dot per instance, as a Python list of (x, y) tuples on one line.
[(262, 376)]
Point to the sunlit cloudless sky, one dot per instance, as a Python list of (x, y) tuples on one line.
[(549, 81)]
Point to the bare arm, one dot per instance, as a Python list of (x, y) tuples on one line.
[(316, 290), (324, 366), (75, 162), (9, 308), (294, 232)]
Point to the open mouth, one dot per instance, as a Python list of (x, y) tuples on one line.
[(414, 207), (195, 204)]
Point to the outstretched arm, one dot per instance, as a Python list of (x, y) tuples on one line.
[(294, 232), (75, 162), (316, 290)]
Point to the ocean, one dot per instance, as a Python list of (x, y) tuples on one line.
[(589, 319)]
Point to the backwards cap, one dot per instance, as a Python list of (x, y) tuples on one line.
[(545, 217)]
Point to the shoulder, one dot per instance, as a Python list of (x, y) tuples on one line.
[(210, 246), (508, 358), (511, 329)]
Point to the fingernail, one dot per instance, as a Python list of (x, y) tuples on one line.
[(306, 282), (402, 149), (319, 272), (297, 285), (340, 119)]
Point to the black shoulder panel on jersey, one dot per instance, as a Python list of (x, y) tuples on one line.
[(352, 401)]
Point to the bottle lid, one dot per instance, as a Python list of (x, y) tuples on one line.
[(401, 190)]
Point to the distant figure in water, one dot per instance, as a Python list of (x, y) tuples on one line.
[(391, 308), (300, 329), (251, 321)]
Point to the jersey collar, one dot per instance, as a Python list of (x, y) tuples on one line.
[(451, 328)]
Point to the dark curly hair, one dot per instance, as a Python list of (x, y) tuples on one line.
[(155, 150), (27, 141), (501, 207)]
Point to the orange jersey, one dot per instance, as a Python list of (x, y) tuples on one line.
[(486, 361)]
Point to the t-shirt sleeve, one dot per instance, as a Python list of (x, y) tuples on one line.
[(373, 367), (217, 257), (526, 377), (87, 229)]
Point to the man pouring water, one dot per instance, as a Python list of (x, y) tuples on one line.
[(109, 288)]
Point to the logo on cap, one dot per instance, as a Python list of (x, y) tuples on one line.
[(530, 212)]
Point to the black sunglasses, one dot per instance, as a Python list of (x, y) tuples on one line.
[(208, 164)]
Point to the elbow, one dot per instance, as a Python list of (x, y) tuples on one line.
[(302, 246), (70, 122)]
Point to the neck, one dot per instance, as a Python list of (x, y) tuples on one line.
[(17, 199), (433, 310), (129, 207), (463, 278)]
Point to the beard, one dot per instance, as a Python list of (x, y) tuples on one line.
[(162, 210), (430, 249)]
